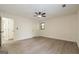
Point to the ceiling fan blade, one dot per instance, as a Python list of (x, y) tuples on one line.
[(43, 13), (36, 13), (43, 16), (39, 13)]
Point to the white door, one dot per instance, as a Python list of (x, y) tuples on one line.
[(7, 29), (10, 29)]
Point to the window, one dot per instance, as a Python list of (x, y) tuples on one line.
[(42, 26)]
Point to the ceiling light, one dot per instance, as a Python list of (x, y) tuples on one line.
[(39, 16)]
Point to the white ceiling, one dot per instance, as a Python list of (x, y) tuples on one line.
[(27, 10)]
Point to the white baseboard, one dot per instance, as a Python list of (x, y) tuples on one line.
[(59, 38)]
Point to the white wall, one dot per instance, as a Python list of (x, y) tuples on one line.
[(27, 28), (64, 28)]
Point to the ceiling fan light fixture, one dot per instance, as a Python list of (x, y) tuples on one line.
[(39, 16)]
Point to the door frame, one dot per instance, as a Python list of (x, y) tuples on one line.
[(0, 31)]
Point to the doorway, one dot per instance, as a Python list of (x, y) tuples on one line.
[(7, 30)]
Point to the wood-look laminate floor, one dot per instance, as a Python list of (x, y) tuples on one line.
[(42, 45)]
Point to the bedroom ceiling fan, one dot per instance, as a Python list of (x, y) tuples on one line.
[(40, 14)]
